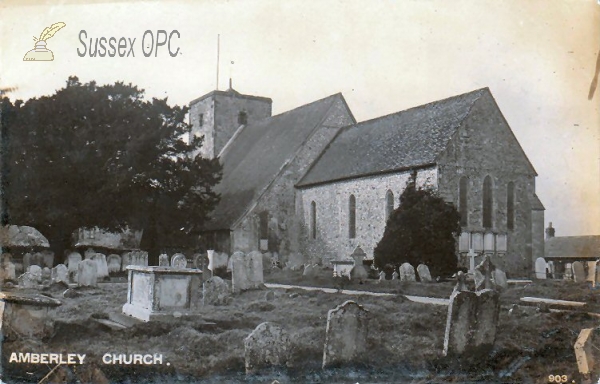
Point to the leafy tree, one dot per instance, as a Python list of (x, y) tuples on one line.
[(103, 156), (422, 230)]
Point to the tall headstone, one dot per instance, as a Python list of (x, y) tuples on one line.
[(358, 272), (60, 273), (73, 261), (125, 260), (87, 275), (9, 270), (395, 275), (382, 276), (471, 323), (220, 260), (268, 345), (407, 272), (591, 273), (346, 334), (483, 274), (163, 260), (247, 272), (100, 259), (540, 268), (179, 261), (113, 263), (586, 352), (500, 280), (568, 272), (578, 272), (424, 274), (211, 259), (27, 260)]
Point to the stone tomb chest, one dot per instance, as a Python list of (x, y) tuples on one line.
[(26, 315), (156, 291)]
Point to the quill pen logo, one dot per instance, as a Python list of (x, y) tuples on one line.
[(40, 52)]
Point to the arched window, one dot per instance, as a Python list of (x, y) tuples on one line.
[(389, 204), (352, 217), (510, 205), (462, 201), (242, 118), (488, 202), (313, 220)]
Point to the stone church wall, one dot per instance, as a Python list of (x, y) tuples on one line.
[(332, 209), (484, 146), (279, 199)]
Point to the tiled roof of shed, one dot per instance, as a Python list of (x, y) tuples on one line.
[(256, 155), (573, 247), (408, 139)]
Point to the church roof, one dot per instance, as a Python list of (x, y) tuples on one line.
[(409, 139), (257, 154), (536, 204), (574, 247)]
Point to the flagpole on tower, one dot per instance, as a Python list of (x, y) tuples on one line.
[(218, 52)]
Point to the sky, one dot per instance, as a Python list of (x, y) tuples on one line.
[(537, 57)]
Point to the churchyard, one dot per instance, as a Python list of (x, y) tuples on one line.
[(249, 327)]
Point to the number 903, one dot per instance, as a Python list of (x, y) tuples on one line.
[(557, 378)]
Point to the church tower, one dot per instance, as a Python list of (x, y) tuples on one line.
[(219, 114)]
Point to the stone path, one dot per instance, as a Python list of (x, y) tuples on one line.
[(416, 299), (537, 300)]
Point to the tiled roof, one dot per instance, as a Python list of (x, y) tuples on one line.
[(573, 247), (257, 154), (409, 139)]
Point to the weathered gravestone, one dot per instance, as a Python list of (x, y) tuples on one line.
[(500, 280), (591, 272), (267, 260), (346, 334), (382, 276), (358, 272), (163, 260), (247, 271), (483, 274), (46, 275), (309, 271), (540, 268), (60, 273), (89, 253), (395, 275), (9, 271), (38, 259), (268, 345), (424, 274), (87, 274), (36, 272), (113, 263), (215, 291), (471, 323), (568, 271), (407, 272), (179, 261), (27, 260), (73, 262), (578, 272), (139, 257), (125, 260), (28, 280), (100, 260)]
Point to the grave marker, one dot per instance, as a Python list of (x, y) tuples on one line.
[(407, 272), (346, 334), (87, 273), (578, 272), (540, 268), (424, 274), (268, 345)]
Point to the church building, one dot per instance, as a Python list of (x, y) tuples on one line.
[(313, 181)]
